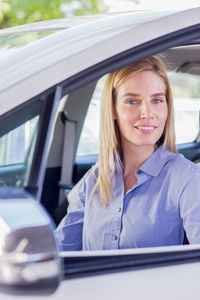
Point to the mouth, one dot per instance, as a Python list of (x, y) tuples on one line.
[(146, 129)]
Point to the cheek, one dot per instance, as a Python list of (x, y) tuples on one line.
[(125, 113), (126, 120), (120, 115), (164, 115)]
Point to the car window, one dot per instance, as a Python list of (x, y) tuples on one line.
[(14, 146), (89, 139), (186, 94), (17, 143)]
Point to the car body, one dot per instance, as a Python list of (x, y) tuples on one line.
[(46, 87)]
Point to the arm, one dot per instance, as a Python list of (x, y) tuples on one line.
[(69, 232), (190, 208)]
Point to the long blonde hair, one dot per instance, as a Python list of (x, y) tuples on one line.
[(109, 131)]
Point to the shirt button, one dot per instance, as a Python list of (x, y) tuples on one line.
[(139, 172), (119, 209), (114, 237)]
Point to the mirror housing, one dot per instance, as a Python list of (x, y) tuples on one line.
[(28, 253)]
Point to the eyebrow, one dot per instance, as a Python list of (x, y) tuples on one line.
[(159, 94), (138, 95)]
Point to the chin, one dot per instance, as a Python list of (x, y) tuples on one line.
[(146, 143)]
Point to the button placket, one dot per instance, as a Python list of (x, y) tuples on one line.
[(117, 217), (139, 172)]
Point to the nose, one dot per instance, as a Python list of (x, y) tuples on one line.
[(146, 111)]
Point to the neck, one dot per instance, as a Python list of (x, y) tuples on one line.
[(134, 156)]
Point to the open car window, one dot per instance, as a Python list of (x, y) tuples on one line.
[(186, 96)]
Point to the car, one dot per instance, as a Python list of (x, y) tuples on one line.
[(51, 78)]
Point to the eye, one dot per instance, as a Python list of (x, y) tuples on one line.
[(157, 100), (131, 101)]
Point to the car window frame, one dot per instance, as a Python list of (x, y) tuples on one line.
[(156, 46), (183, 37), (47, 107)]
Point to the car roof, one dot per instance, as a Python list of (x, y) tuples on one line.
[(54, 24), (36, 67), (64, 23)]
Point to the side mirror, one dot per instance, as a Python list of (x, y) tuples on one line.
[(28, 255)]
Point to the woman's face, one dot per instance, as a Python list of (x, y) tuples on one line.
[(141, 109)]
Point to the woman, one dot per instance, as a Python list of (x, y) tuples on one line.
[(141, 193)]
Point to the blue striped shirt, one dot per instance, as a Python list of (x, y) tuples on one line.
[(163, 203)]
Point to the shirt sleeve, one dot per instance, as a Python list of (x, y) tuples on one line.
[(190, 208), (69, 232)]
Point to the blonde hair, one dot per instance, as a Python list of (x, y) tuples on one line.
[(109, 132)]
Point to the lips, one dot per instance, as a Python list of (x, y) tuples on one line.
[(145, 128)]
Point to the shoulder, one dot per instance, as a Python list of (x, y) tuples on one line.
[(91, 175), (86, 183), (182, 177), (183, 166)]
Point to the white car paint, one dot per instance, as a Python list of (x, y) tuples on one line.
[(180, 282), (174, 282)]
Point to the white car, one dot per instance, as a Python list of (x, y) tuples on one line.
[(50, 72)]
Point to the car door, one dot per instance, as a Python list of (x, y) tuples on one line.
[(127, 291)]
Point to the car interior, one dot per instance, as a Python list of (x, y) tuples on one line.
[(183, 65), (74, 139)]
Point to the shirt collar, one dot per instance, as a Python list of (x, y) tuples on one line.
[(154, 164)]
